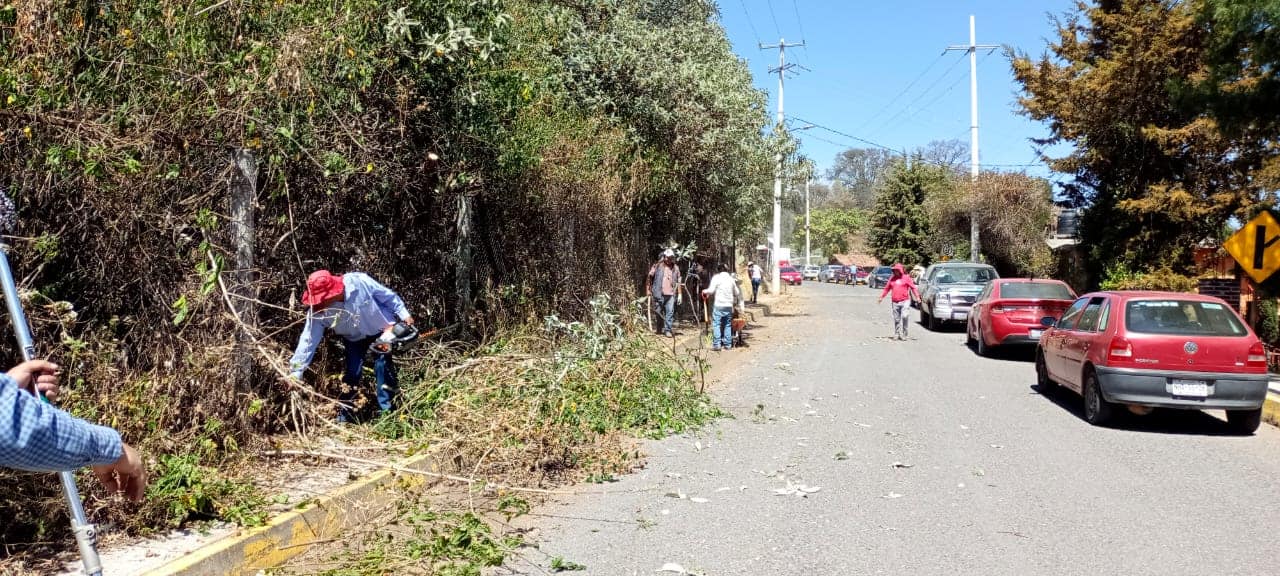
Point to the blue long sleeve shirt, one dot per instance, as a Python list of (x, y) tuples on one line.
[(38, 437), (367, 309)]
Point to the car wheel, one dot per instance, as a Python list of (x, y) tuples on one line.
[(969, 340), (1097, 410), (1043, 381), (929, 321), (1244, 422), (983, 349)]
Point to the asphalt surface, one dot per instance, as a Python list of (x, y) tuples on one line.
[(994, 478)]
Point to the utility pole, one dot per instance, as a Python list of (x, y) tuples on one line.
[(807, 179), (975, 242), (776, 276)]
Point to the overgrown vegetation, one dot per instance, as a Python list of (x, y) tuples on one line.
[(1142, 91), (494, 161)]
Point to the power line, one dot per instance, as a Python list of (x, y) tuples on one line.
[(890, 149), (903, 91), (749, 21), (921, 95), (800, 23), (849, 136), (776, 28)]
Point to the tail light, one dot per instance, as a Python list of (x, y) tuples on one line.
[(1120, 349), (997, 309), (1257, 356)]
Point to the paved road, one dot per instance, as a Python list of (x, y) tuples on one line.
[(1002, 480)]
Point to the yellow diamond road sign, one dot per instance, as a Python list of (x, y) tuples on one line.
[(1256, 248)]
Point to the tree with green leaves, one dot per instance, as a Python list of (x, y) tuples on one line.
[(900, 226), (831, 230), (1013, 215), (1154, 177), (1242, 88)]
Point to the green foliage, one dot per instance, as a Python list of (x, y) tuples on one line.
[(1119, 277), (1013, 215), (578, 149), (900, 226), (831, 229), (1156, 176), (559, 564), (1268, 325), (418, 536)]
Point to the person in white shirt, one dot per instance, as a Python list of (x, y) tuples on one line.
[(757, 275), (725, 290)]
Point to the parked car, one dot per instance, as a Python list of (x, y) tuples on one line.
[(1156, 350), (811, 272), (844, 274), (1010, 311), (790, 275), (879, 276), (828, 273), (861, 275), (949, 290)]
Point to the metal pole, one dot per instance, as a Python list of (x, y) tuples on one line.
[(776, 275), (807, 260), (975, 241), (86, 534)]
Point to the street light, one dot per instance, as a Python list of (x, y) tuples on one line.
[(808, 258)]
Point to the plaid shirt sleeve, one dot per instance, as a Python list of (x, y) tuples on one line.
[(39, 437)]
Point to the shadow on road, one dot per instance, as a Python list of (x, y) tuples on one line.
[(1009, 353), (1161, 421)]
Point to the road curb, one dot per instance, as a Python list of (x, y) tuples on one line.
[(1271, 409), (292, 533)]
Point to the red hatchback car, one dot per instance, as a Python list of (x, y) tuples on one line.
[(1010, 311), (1156, 350)]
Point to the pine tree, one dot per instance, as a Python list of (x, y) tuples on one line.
[(899, 224)]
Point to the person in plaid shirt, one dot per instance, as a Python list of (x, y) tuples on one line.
[(37, 437)]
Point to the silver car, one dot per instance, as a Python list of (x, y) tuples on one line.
[(828, 273), (949, 290)]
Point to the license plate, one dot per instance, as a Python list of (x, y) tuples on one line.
[(960, 315), (1190, 388), (1035, 334)]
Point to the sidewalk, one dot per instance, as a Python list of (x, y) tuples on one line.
[(1271, 408)]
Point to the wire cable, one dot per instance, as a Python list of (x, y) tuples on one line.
[(776, 28), (750, 22), (900, 93), (926, 92)]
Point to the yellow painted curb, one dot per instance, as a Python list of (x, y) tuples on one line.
[(291, 533), (1271, 409)]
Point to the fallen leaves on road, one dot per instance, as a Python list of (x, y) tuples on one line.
[(842, 455), (901, 465), (796, 489)]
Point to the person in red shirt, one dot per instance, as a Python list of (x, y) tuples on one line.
[(901, 290)]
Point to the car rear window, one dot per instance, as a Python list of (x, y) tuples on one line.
[(884, 270), (1045, 290), (1182, 317), (965, 275), (788, 269)]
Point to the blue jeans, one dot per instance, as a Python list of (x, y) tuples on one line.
[(755, 288), (722, 327), (384, 373), (667, 309)]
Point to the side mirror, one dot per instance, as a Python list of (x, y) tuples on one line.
[(1048, 321)]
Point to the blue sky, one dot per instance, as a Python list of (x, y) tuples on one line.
[(862, 55)]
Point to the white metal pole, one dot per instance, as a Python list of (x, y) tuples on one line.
[(776, 276), (807, 257), (975, 241)]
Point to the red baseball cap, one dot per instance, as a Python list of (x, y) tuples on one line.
[(321, 286)]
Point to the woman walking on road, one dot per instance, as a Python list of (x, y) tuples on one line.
[(901, 290)]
